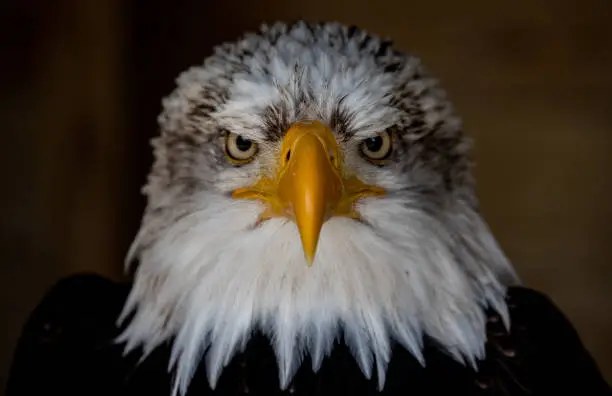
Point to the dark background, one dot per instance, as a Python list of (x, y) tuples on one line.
[(81, 83)]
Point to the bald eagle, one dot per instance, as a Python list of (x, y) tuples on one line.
[(312, 228)]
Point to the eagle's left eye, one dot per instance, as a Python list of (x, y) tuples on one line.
[(377, 148), (238, 149)]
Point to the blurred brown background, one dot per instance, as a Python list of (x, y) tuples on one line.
[(82, 82)]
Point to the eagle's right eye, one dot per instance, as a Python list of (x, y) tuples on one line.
[(238, 149)]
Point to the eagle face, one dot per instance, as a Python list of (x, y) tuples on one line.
[(313, 184)]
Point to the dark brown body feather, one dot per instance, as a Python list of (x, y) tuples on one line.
[(67, 348)]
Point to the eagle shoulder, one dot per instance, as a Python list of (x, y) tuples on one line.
[(542, 353), (66, 345)]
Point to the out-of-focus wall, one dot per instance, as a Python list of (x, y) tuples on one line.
[(62, 153), (84, 81)]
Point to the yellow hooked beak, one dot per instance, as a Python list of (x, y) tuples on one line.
[(310, 185)]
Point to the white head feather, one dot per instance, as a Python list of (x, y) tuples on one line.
[(421, 262)]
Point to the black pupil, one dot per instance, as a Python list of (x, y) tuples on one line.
[(243, 144), (374, 144)]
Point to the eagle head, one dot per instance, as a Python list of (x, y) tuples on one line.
[(311, 183)]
